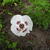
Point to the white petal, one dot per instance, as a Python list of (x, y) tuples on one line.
[(15, 18)]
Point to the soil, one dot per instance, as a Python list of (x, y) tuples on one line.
[(38, 39)]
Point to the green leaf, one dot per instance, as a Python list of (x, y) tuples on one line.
[(9, 1), (0, 25), (12, 45)]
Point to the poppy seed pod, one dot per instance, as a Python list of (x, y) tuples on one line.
[(21, 25)]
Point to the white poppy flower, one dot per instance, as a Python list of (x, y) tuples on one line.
[(21, 25)]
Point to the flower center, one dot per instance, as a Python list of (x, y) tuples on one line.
[(21, 26)]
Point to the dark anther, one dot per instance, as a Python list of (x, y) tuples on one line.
[(21, 26)]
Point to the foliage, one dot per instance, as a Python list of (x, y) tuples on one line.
[(0, 23), (39, 11), (4, 2), (6, 43)]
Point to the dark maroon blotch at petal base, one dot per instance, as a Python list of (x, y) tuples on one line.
[(25, 30), (26, 23), (18, 22), (18, 29)]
